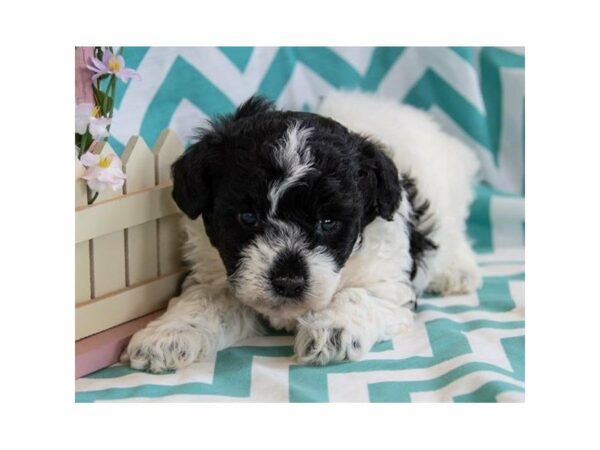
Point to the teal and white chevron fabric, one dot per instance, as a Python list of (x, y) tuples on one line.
[(468, 348), (476, 93)]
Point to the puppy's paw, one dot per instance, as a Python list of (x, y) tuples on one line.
[(352, 325), (320, 346), (165, 346), (456, 280)]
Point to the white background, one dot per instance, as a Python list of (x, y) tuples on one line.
[(37, 224)]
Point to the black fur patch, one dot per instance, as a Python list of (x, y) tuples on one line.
[(232, 167), (420, 243)]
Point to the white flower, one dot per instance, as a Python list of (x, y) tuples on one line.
[(102, 171), (86, 114)]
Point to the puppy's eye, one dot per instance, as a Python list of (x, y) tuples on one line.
[(327, 225), (248, 219)]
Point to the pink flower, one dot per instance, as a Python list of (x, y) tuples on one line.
[(83, 78), (88, 115), (102, 171), (112, 64)]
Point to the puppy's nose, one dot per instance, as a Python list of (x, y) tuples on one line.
[(291, 287)]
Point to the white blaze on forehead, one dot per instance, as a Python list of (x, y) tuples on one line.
[(295, 159)]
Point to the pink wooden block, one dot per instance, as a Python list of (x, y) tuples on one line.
[(104, 349), (83, 75)]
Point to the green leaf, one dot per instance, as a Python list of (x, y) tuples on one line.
[(86, 141), (98, 96), (109, 108)]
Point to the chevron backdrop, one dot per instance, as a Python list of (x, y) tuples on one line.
[(467, 348), (476, 93)]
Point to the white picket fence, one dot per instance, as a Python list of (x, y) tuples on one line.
[(127, 244)]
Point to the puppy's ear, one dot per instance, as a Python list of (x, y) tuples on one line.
[(254, 105), (191, 184), (378, 180)]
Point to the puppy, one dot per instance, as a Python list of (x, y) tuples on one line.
[(327, 225)]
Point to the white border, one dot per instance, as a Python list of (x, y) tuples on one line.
[(562, 157)]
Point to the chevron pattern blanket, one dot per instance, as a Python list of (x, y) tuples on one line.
[(464, 348)]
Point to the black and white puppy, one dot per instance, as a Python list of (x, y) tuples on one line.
[(291, 219)]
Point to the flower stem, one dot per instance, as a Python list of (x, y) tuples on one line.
[(82, 147), (92, 199), (112, 88), (105, 103)]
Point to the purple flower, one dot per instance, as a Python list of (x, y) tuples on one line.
[(112, 64)]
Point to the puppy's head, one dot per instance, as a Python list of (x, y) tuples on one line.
[(284, 197)]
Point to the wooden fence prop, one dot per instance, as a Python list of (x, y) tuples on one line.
[(127, 259)]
